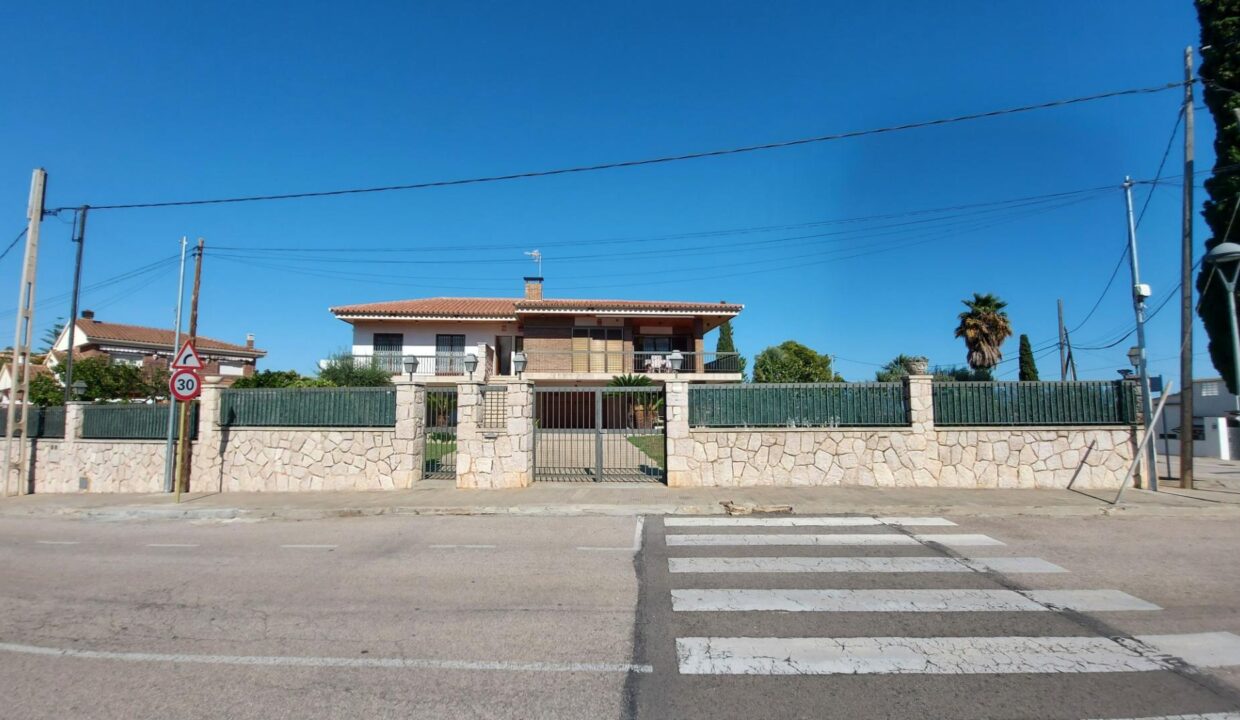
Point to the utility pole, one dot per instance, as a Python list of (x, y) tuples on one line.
[(1139, 294), (169, 457), (79, 237), (186, 453), (19, 408), (1063, 357), (1186, 287)]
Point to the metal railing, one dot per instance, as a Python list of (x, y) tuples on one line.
[(620, 362), (1100, 402), (438, 364), (309, 407), (132, 422), (494, 407), (799, 405), (43, 422)]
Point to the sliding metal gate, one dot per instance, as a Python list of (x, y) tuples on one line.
[(439, 459), (612, 434)]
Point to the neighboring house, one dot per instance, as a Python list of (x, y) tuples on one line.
[(1216, 429), (562, 340), (6, 376), (151, 347)]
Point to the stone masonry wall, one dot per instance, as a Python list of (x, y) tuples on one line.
[(293, 459), (499, 455), (106, 465)]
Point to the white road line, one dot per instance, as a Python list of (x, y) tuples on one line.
[(310, 547), (171, 545), (1207, 716), (859, 565), (57, 542), (948, 655), (637, 541), (798, 521), (320, 662), (801, 600), (467, 547), (835, 539)]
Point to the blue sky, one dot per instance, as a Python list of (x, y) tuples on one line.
[(167, 101)]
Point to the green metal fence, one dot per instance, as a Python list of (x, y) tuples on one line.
[(132, 422), (1100, 402), (309, 407), (798, 405), (44, 422)]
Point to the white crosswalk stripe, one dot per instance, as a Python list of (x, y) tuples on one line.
[(797, 600), (852, 521), (948, 539), (860, 565)]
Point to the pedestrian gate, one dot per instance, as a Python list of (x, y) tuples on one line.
[(439, 458), (612, 434)]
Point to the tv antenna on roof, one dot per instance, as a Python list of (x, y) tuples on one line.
[(536, 256)]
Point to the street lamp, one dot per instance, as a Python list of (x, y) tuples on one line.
[(471, 364), (411, 365), (518, 362), (677, 360), (1134, 356), (1228, 253), (79, 389)]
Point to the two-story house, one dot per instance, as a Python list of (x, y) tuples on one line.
[(561, 340)]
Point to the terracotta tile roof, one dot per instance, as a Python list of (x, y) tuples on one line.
[(104, 332), (499, 308)]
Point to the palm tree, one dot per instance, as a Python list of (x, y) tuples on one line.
[(984, 327)]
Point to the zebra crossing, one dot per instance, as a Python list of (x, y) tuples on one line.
[(874, 610)]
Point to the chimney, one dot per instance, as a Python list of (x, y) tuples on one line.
[(533, 288), (249, 341), (88, 314)]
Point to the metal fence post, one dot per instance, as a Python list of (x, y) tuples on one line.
[(598, 435)]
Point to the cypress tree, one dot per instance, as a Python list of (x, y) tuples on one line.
[(1028, 368)]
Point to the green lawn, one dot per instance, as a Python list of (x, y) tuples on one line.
[(437, 449), (652, 445)]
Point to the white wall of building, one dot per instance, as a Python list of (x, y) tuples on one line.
[(420, 335)]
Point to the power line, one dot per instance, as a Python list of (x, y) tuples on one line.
[(654, 160), (13, 244)]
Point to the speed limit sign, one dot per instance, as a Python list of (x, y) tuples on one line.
[(185, 385)]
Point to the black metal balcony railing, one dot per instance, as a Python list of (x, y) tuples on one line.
[(439, 364), (619, 362)]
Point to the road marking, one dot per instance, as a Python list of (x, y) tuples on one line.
[(950, 655), (319, 662), (859, 565), (1207, 716), (57, 542), (801, 521), (800, 600), (839, 539), (467, 547), (171, 545), (310, 547), (637, 540)]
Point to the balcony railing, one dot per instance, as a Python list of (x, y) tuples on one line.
[(620, 362), (439, 364)]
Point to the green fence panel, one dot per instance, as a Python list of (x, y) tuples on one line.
[(44, 422), (309, 407), (798, 405), (132, 422), (1101, 402)]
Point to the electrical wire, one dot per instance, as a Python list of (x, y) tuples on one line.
[(13, 244), (655, 160)]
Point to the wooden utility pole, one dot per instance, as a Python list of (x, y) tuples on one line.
[(1186, 286), (186, 454), (1063, 357), (79, 237), (19, 407)]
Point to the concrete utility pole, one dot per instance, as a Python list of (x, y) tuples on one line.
[(169, 458), (1139, 293), (1186, 285), (19, 408), (1063, 357), (79, 237), (187, 450)]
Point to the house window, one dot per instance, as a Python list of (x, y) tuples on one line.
[(449, 354), (1209, 389), (598, 350), (388, 348), (652, 353)]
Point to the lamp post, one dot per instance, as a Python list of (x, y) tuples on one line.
[(677, 361), (471, 364), (79, 389), (1228, 253), (518, 362), (411, 366)]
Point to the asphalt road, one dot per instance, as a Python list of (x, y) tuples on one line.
[(546, 617)]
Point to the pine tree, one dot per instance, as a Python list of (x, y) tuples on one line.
[(725, 345), (1028, 368)]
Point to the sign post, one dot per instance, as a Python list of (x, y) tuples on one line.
[(185, 385)]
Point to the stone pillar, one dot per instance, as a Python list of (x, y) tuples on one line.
[(920, 391), (679, 443), (409, 441), (518, 464), (922, 446), (75, 415), (207, 467), (468, 437)]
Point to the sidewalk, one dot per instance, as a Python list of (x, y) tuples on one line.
[(441, 498)]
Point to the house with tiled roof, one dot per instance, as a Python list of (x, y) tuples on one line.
[(152, 347), (560, 339)]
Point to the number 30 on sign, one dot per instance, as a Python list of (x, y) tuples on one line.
[(185, 385)]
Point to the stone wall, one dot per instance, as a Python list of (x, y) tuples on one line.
[(497, 455), (294, 459), (104, 466)]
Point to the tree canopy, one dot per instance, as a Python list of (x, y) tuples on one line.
[(1028, 368), (792, 362), (984, 326)]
